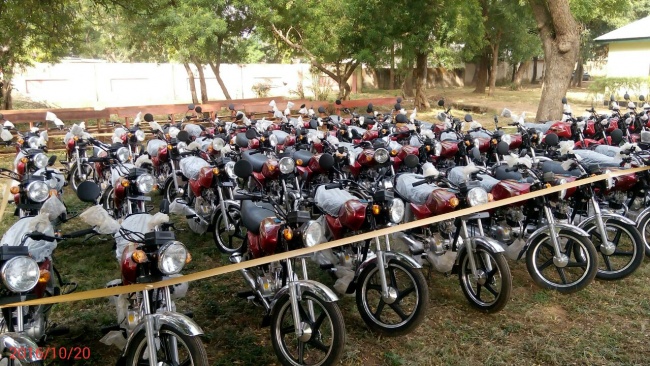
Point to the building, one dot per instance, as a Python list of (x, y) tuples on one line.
[(629, 50)]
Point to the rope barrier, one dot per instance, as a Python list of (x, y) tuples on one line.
[(112, 291)]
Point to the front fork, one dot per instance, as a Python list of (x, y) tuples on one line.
[(150, 328), (224, 209), (303, 332), (559, 259), (606, 247), (470, 249)]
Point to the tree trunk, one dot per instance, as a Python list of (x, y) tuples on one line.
[(190, 76), (204, 88), (579, 71), (521, 72), (481, 81), (495, 68), (216, 66), (407, 84), (421, 100), (560, 35), (533, 80), (392, 67), (6, 95), (514, 72)]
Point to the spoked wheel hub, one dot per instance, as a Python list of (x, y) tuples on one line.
[(392, 295), (561, 260), (608, 249), (480, 277), (306, 332)]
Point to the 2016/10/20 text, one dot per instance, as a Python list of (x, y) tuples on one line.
[(51, 353)]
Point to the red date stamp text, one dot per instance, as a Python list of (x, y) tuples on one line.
[(50, 353)]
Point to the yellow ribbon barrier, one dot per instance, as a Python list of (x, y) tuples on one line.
[(117, 290)]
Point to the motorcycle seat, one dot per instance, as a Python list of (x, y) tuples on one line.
[(256, 160), (281, 135), (501, 174), (303, 155), (418, 194), (556, 167), (241, 140), (253, 213)]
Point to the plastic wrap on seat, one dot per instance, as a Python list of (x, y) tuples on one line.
[(611, 151), (98, 217), (541, 127), (193, 130), (118, 171), (457, 175), (38, 249), (417, 194), (446, 136), (281, 135), (204, 142), (331, 200), (191, 166), (19, 156), (57, 180), (479, 134), (359, 130), (117, 135), (154, 145), (6, 135), (138, 223), (593, 158)]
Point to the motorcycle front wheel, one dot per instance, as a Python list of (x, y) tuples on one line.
[(580, 270), (644, 229), (229, 239), (73, 175), (190, 349), (489, 290), (629, 253), (323, 339), (170, 190), (407, 302)]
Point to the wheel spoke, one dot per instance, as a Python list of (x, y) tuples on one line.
[(608, 264), (617, 237), (374, 287), (187, 362), (560, 271), (546, 264), (380, 308), (301, 353), (577, 264), (287, 330), (623, 253), (478, 291), (315, 326), (404, 293), (318, 344), (393, 278), (395, 306)]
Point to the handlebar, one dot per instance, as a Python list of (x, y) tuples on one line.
[(79, 233), (333, 185), (419, 183)]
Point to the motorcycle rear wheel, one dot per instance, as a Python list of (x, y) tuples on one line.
[(193, 350), (539, 258), (621, 263), (497, 282), (406, 312), (327, 341)]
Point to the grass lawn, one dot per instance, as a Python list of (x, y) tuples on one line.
[(606, 324)]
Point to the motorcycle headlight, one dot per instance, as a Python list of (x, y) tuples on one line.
[(397, 210), (182, 147), (230, 169), (312, 233), (506, 138), (218, 144), (145, 183), (38, 191), (381, 155), (287, 165), (477, 196), (20, 274), (273, 140), (139, 134), (33, 142), (609, 182), (437, 149), (40, 160), (122, 154), (172, 257), (562, 192)]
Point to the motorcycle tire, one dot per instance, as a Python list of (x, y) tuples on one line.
[(644, 228), (73, 178), (169, 191), (634, 242), (580, 247), (137, 353), (403, 316), (289, 348), (226, 241), (496, 285)]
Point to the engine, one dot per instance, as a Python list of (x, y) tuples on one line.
[(270, 281)]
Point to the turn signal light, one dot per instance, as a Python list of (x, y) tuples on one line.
[(288, 233), (271, 167), (548, 185), (215, 171), (467, 143), (53, 193), (393, 152), (210, 149), (428, 148), (24, 160), (188, 259), (490, 197), (167, 136), (494, 141), (139, 256), (383, 131), (376, 209), (169, 147), (20, 141), (369, 157), (44, 276), (124, 183), (454, 202), (14, 190), (299, 162), (263, 139), (76, 138)]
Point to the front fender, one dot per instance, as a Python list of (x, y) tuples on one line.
[(19, 346), (314, 287), (226, 203), (487, 243), (558, 226), (642, 216), (388, 256), (174, 320), (606, 216)]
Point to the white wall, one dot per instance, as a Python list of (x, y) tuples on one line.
[(73, 84), (629, 59)]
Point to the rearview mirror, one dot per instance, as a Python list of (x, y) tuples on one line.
[(243, 169), (564, 101), (190, 107), (411, 161), (476, 154), (198, 109), (468, 118), (313, 124), (551, 139), (326, 161), (251, 134), (51, 160), (617, 136), (503, 148), (183, 136), (441, 103), (88, 191)]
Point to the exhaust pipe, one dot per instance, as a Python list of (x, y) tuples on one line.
[(236, 258), (416, 247)]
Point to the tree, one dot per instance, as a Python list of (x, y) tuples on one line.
[(560, 35)]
